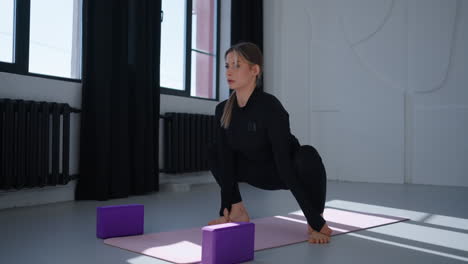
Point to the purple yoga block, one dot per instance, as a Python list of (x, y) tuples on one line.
[(228, 243), (119, 220)]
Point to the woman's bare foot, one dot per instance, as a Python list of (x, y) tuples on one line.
[(238, 213), (318, 238), (323, 236), (325, 230), (222, 220)]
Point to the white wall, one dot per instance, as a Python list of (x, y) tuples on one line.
[(378, 87), (41, 89)]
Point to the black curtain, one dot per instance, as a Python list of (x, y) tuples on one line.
[(247, 22), (120, 99)]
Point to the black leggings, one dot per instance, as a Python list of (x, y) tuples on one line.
[(308, 168)]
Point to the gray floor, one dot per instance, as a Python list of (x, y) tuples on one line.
[(437, 232)]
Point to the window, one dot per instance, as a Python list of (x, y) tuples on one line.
[(189, 48), (6, 30), (172, 44), (45, 38)]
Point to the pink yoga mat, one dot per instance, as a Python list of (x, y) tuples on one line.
[(184, 246)]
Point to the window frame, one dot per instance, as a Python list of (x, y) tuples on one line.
[(188, 55), (22, 18)]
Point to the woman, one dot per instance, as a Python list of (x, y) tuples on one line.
[(254, 145)]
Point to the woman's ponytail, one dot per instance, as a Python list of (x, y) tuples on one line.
[(227, 111)]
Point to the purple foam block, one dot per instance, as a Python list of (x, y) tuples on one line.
[(228, 243), (119, 220)]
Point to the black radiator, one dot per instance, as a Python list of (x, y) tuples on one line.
[(34, 139), (185, 138)]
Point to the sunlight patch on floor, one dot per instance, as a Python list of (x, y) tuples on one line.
[(429, 251)]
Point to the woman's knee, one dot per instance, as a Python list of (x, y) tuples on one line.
[(307, 157)]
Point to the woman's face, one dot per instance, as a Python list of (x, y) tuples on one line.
[(239, 73)]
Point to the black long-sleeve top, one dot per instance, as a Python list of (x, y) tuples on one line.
[(257, 148)]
